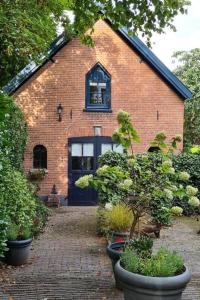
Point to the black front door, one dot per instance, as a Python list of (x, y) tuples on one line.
[(83, 160)]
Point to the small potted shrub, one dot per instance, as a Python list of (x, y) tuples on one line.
[(18, 244), (37, 174), (149, 276), (118, 219)]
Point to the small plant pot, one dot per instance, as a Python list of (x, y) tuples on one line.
[(141, 287), (18, 252), (114, 251), (117, 237)]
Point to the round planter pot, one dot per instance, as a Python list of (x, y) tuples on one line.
[(114, 252), (141, 287), (119, 236), (18, 252)]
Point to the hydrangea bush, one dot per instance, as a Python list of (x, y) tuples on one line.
[(148, 184)]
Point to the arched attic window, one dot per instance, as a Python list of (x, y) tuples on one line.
[(39, 157), (98, 89)]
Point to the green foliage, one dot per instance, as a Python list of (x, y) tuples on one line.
[(28, 26), (188, 71), (113, 159), (40, 218), (138, 16), (126, 134), (118, 218), (3, 236), (17, 204), (16, 232), (27, 29), (142, 246), (190, 163), (164, 263), (13, 131)]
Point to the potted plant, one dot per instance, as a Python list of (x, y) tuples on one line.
[(18, 244), (37, 174), (156, 276), (117, 219), (147, 185)]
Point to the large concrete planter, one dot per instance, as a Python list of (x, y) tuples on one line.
[(141, 287), (18, 252), (114, 253)]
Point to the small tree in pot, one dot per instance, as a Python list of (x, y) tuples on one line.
[(147, 185)]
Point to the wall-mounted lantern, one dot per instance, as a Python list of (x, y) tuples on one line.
[(60, 112), (97, 130)]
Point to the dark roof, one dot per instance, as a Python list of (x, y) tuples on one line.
[(137, 45)]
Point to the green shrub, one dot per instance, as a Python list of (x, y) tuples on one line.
[(3, 236), (113, 159), (191, 163), (17, 203), (13, 131), (164, 263), (118, 218), (142, 246), (41, 215)]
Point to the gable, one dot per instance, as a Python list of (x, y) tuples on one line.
[(136, 45)]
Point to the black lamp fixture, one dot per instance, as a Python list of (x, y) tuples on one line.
[(59, 112)]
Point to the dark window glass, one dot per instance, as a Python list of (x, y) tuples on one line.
[(76, 163), (40, 157), (88, 163), (154, 149)]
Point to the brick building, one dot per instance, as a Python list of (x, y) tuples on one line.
[(71, 101)]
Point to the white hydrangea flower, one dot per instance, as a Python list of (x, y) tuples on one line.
[(84, 181), (102, 170), (108, 206), (167, 163), (194, 201), (191, 191), (176, 210), (184, 176), (171, 171), (168, 194), (126, 184)]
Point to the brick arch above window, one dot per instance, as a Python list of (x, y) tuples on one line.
[(98, 89), (40, 157)]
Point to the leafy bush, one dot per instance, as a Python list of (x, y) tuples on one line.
[(17, 203), (41, 215), (13, 131), (113, 159), (164, 263), (3, 236), (142, 246), (191, 163), (16, 232), (118, 218)]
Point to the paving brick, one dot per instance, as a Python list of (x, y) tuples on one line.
[(68, 261)]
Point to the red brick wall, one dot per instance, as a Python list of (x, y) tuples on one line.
[(135, 88)]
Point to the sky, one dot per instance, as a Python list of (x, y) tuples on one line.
[(186, 37)]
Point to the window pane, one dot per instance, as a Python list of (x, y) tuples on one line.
[(76, 163), (97, 92), (88, 149), (76, 150), (88, 163), (105, 148), (118, 148)]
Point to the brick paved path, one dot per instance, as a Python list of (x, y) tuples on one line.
[(69, 262)]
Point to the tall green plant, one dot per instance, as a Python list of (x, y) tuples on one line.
[(13, 131)]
